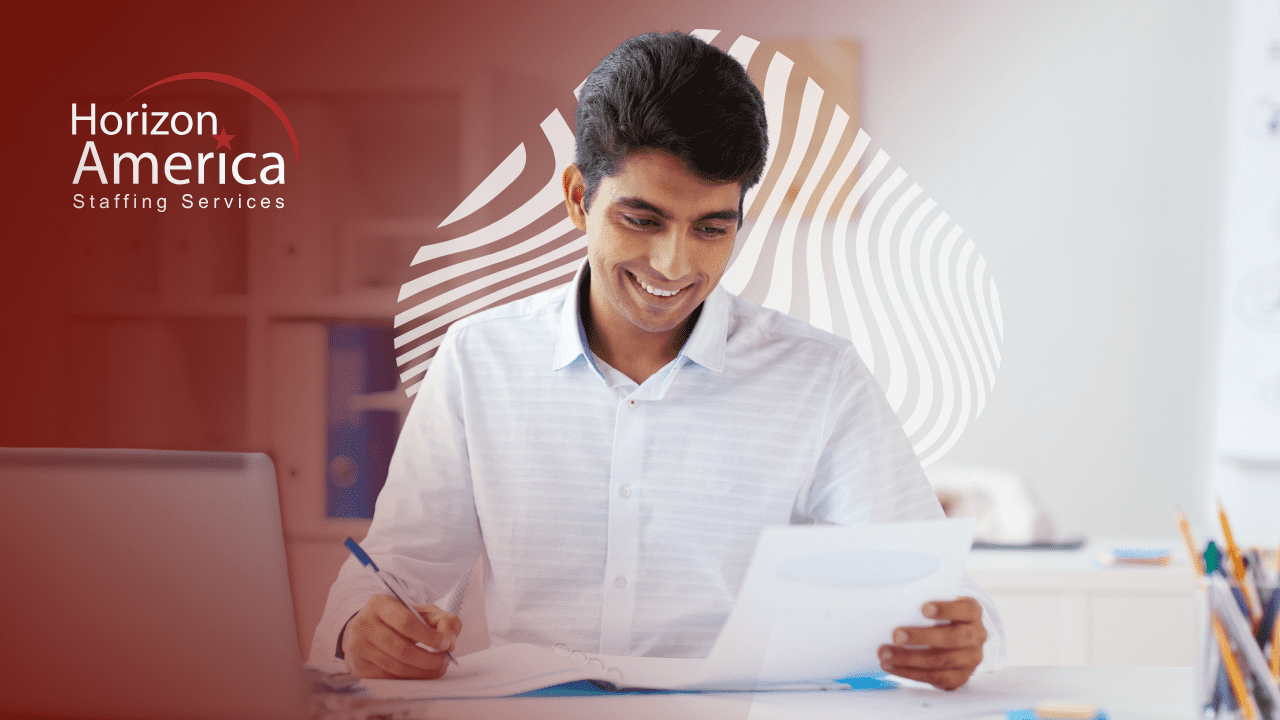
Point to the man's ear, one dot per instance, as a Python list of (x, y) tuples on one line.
[(575, 192)]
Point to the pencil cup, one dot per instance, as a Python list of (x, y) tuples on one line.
[(1208, 659), (1234, 677)]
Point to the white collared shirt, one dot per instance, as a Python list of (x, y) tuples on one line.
[(620, 518)]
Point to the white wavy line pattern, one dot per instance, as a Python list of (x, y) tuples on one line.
[(500, 179), (924, 314), (556, 251)]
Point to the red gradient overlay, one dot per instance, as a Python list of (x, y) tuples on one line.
[(131, 327)]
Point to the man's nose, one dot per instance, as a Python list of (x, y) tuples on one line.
[(669, 254)]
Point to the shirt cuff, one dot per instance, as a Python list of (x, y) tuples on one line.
[(337, 650), (994, 654)]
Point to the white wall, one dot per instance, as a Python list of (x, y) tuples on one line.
[(1080, 147), (1079, 144)]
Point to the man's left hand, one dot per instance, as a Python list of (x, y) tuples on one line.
[(942, 655)]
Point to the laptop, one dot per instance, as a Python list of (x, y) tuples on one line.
[(145, 584)]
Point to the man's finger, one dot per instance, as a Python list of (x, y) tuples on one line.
[(966, 609), (930, 658), (446, 623), (408, 623), (410, 653), (399, 660), (941, 679), (957, 635), (376, 634)]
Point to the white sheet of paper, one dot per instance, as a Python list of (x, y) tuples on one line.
[(819, 601)]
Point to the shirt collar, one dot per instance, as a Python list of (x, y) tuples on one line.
[(571, 340), (706, 343), (705, 346)]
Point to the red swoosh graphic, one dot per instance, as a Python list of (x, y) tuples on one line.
[(237, 83)]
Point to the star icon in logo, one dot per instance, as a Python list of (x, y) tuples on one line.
[(224, 140)]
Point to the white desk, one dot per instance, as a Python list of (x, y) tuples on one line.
[(1064, 608), (1163, 693)]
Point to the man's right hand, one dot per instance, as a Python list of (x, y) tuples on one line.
[(381, 641)]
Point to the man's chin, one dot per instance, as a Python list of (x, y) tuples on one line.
[(659, 318)]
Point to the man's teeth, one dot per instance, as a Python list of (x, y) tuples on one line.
[(655, 291)]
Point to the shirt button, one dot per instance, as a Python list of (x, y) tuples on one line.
[(625, 491), (620, 581)]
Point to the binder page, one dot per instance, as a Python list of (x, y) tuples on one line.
[(495, 672), (513, 669)]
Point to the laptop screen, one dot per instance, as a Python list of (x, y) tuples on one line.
[(145, 584)]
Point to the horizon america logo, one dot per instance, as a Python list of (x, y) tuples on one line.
[(178, 166)]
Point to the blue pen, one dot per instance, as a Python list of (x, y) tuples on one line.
[(367, 561), (1236, 592)]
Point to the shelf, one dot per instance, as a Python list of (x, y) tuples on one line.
[(364, 305), (372, 304), (161, 306)]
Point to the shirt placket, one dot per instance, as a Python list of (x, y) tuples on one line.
[(618, 613)]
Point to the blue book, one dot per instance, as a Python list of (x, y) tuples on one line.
[(360, 442)]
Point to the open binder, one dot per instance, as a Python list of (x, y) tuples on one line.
[(521, 668), (814, 607)]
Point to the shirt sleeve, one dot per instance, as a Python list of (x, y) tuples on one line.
[(868, 472), (424, 530)]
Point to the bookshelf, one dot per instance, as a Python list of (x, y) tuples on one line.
[(210, 329)]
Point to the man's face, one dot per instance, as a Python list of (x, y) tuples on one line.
[(658, 240)]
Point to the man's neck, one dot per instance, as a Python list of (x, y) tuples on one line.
[(630, 350)]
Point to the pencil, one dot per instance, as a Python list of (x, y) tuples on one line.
[(1233, 550), (1233, 672), (1237, 568), (1196, 561), (1275, 651)]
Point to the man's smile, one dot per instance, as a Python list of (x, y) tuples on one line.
[(654, 290)]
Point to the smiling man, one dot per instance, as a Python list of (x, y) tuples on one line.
[(658, 242), (614, 446)]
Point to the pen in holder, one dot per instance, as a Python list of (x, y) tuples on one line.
[(1238, 664), (1234, 669)]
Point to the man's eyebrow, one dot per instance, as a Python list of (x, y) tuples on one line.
[(733, 215), (636, 203)]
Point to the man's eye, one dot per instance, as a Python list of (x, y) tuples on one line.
[(713, 230), (643, 222)]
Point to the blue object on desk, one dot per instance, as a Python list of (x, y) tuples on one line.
[(1140, 553), (578, 688), (878, 680), (1030, 714)]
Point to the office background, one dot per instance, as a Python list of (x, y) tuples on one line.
[(1079, 143)]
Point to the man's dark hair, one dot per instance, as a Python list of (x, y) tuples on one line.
[(675, 93)]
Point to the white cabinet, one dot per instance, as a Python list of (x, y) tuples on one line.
[(1066, 608)]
